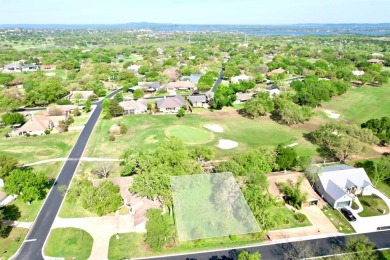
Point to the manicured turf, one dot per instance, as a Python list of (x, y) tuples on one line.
[(372, 206), (9, 245), (70, 243), (360, 104), (338, 220), (384, 187), (21, 211), (131, 245), (32, 149), (74, 209), (189, 135), (147, 130)]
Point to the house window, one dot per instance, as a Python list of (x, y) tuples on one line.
[(342, 204)]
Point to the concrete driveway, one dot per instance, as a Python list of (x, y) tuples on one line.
[(370, 224)]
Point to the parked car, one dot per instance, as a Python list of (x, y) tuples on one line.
[(348, 214)]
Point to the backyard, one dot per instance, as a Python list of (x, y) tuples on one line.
[(69, 243)]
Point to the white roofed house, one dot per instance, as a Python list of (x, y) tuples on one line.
[(237, 79), (13, 67), (134, 68), (132, 107), (339, 184)]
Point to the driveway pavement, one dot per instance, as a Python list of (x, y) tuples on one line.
[(100, 228), (371, 224)]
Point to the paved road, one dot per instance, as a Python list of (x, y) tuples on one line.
[(33, 244), (309, 248), (219, 80)]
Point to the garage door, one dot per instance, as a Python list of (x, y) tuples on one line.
[(342, 204)]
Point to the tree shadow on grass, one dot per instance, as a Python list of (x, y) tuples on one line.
[(11, 212)]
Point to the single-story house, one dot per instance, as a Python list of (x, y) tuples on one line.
[(275, 72), (375, 54), (242, 98), (339, 184), (274, 178), (30, 67), (48, 67), (131, 107), (197, 100), (80, 95), (171, 104), (150, 87), (237, 79), (180, 85), (194, 78), (36, 125), (376, 61), (160, 51), (12, 67), (63, 110)]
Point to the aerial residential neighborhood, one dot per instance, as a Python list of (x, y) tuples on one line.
[(197, 135)]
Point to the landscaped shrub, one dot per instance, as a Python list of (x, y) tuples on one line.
[(112, 138), (233, 237), (300, 217), (47, 132), (354, 206), (123, 129)]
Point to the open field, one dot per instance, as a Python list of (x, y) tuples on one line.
[(69, 243), (360, 104), (36, 148), (9, 245), (132, 245), (146, 130)]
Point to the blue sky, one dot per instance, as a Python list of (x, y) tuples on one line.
[(194, 11)]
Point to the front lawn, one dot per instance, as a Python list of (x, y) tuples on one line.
[(70, 243), (9, 245), (21, 211), (131, 245), (290, 220), (372, 206), (338, 220), (74, 209), (384, 187), (32, 149)]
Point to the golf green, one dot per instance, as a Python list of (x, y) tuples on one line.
[(189, 135)]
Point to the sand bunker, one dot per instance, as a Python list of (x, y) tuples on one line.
[(330, 114), (292, 145), (214, 128), (227, 144), (50, 74)]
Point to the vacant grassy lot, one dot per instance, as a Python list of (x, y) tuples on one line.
[(338, 220), (9, 245), (146, 130), (360, 104), (70, 243), (372, 206), (131, 245), (32, 149)]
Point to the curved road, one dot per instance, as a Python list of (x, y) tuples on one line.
[(35, 239)]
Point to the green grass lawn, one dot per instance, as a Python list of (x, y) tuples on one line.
[(338, 220), (74, 209), (51, 169), (372, 206), (70, 243), (32, 149), (384, 188), (291, 221), (146, 130), (190, 135), (131, 245), (21, 211), (360, 104), (9, 245)]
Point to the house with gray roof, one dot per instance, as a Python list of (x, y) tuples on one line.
[(197, 100), (339, 184), (171, 104), (132, 107), (13, 67)]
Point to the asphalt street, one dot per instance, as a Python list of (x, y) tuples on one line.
[(293, 250), (35, 239), (219, 80)]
